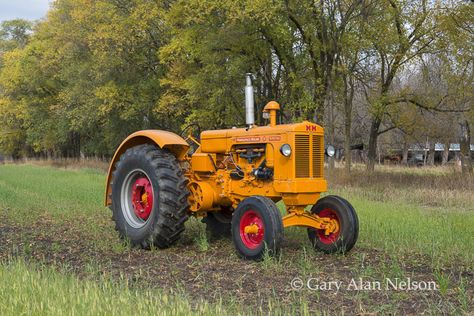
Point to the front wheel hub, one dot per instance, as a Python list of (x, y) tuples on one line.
[(331, 234), (251, 229)]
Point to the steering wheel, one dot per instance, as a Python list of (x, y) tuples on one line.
[(193, 130)]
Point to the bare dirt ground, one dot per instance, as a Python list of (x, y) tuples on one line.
[(217, 274)]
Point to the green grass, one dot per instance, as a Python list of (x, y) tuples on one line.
[(422, 220), (31, 191), (395, 225), (25, 289), (445, 235)]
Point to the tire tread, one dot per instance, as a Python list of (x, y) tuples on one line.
[(172, 196)]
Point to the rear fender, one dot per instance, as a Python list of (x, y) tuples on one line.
[(163, 139)]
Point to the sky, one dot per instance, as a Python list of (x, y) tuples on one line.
[(24, 9)]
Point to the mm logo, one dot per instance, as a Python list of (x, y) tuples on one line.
[(311, 128)]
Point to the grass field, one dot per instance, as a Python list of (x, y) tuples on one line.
[(60, 253)]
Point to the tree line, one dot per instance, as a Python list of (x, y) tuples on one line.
[(80, 80)]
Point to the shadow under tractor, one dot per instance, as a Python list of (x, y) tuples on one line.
[(232, 180)]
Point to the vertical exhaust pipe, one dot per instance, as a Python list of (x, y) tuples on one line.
[(249, 102)]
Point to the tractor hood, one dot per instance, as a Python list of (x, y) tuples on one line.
[(304, 126), (221, 140)]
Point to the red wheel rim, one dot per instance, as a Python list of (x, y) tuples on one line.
[(332, 237), (251, 219), (142, 197)]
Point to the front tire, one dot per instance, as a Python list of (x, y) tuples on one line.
[(257, 227), (341, 210), (149, 197)]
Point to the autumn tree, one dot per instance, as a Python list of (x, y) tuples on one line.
[(401, 32), (457, 47), (92, 72), (14, 35), (89, 77)]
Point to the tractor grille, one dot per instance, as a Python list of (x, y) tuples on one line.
[(318, 156), (309, 156), (302, 156)]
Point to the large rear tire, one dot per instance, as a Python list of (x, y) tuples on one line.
[(149, 197), (264, 230), (341, 210)]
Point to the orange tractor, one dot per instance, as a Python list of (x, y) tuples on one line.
[(232, 180)]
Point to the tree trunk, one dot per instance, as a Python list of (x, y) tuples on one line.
[(318, 115), (331, 128), (431, 154), (372, 151), (347, 147), (445, 154), (405, 153), (348, 99), (465, 143)]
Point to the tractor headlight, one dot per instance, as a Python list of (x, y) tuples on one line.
[(330, 151), (285, 150)]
